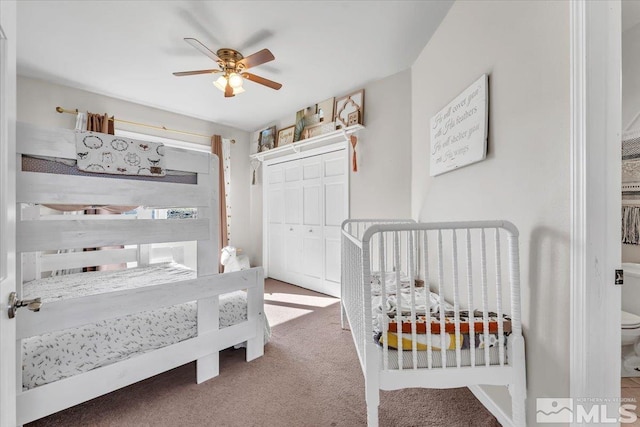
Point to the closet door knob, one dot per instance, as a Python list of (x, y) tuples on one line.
[(310, 231), (290, 228)]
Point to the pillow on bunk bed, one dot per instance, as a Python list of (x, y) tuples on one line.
[(104, 153)]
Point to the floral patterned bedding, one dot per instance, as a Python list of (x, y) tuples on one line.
[(61, 354)]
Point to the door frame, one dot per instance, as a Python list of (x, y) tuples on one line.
[(8, 371), (595, 40)]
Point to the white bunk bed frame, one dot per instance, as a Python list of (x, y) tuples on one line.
[(35, 236), (403, 246)]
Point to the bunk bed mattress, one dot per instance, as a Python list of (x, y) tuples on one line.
[(68, 167), (61, 354)]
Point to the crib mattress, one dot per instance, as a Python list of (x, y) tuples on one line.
[(61, 354)]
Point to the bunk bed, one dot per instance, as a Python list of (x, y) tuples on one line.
[(99, 331), (424, 303)]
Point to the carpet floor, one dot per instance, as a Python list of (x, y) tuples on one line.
[(308, 376)]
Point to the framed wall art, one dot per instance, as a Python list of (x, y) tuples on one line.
[(459, 130), (285, 136), (346, 106), (324, 110), (267, 139)]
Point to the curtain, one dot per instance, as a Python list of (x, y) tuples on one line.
[(102, 123), (226, 161), (223, 238)]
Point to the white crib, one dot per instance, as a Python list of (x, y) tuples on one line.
[(203, 291), (399, 275)]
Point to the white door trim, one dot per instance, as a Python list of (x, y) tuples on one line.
[(595, 198), (8, 371)]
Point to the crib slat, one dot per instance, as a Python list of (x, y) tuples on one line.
[(456, 297), (427, 301), (485, 297), (412, 290), (443, 351), (472, 338), (396, 258), (383, 301), (499, 297)]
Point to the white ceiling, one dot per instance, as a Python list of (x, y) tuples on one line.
[(128, 49)]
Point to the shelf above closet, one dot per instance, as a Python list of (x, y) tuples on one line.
[(340, 135)]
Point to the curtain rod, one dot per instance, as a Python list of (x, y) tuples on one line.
[(64, 110)]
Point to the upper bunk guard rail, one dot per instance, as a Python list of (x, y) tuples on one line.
[(74, 312), (35, 140)]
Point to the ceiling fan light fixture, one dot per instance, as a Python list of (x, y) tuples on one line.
[(233, 65), (221, 83), (235, 80)]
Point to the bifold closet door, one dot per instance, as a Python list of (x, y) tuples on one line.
[(312, 233), (307, 200), (292, 249), (275, 221), (335, 203)]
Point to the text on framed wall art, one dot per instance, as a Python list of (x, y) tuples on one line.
[(459, 130)]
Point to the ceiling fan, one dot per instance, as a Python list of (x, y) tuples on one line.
[(233, 67)]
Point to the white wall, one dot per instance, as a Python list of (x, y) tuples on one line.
[(381, 187), (524, 47), (631, 75), (38, 99), (631, 103)]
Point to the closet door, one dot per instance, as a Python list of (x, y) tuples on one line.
[(292, 195), (312, 233), (307, 200), (275, 222), (335, 195)]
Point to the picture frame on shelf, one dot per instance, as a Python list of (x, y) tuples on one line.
[(324, 110), (285, 136), (346, 106), (304, 117), (267, 139)]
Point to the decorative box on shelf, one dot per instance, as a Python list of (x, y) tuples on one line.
[(317, 130)]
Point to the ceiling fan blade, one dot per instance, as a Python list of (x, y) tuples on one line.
[(202, 48), (257, 58), (192, 73), (228, 90), (262, 81)]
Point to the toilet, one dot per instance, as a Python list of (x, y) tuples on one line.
[(629, 321)]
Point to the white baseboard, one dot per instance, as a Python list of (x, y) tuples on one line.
[(488, 403)]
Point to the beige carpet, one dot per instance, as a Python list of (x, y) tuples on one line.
[(309, 376)]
